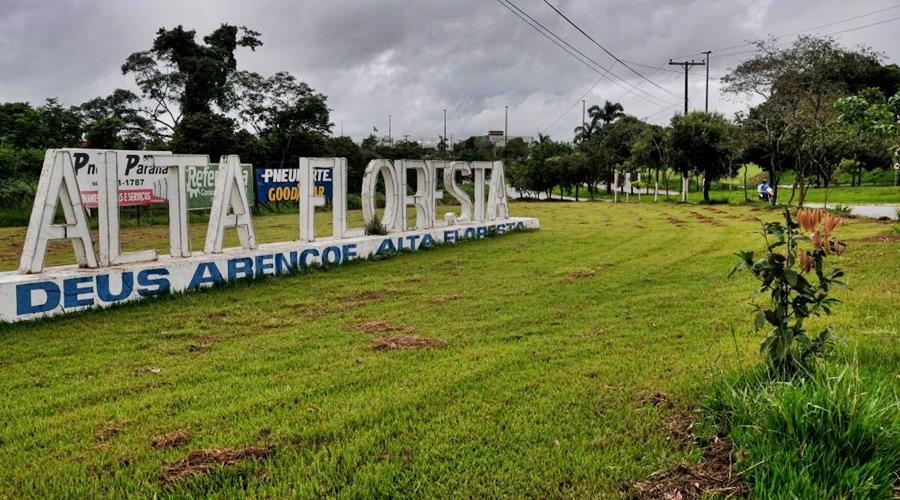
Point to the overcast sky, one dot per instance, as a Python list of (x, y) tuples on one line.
[(412, 59)]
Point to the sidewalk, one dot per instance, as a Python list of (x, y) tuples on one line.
[(873, 211)]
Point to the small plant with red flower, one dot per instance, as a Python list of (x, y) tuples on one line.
[(795, 253)]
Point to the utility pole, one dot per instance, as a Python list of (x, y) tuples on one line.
[(444, 137), (583, 104), (708, 52), (391, 137), (505, 125), (687, 66), (342, 128)]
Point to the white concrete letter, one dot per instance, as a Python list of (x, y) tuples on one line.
[(498, 205), (465, 203), (57, 183), (108, 215), (392, 195), (423, 198), (178, 165), (230, 194), (480, 176)]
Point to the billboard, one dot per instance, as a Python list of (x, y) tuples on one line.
[(142, 184), (139, 183), (280, 184), (201, 185)]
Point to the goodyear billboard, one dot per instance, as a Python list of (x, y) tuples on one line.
[(280, 184)]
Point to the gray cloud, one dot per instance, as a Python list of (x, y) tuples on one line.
[(411, 60)]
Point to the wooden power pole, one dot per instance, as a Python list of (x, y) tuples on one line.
[(687, 66)]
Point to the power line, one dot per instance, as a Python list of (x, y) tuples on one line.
[(577, 101), (842, 21), (672, 108), (656, 68), (864, 26), (732, 54), (572, 50), (623, 63)]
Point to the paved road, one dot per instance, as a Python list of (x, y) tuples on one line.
[(585, 196), (873, 211)]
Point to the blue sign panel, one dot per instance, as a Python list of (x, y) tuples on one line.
[(280, 184)]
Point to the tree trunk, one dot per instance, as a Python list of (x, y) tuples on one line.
[(746, 196), (773, 183), (802, 193), (706, 183)]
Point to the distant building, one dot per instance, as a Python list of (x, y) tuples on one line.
[(496, 138)]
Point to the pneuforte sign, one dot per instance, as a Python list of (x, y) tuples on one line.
[(274, 185), (105, 275)]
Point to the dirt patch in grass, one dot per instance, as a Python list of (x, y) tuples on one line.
[(577, 275), (363, 299), (349, 303), (722, 213), (141, 371), (446, 298), (172, 439), (713, 476), (209, 339), (653, 398), (883, 238), (216, 316), (380, 326), (111, 431), (675, 222), (704, 219), (402, 343), (201, 461)]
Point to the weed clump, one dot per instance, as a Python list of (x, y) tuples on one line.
[(829, 435), (376, 227)]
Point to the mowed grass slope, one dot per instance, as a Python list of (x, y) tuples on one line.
[(559, 340)]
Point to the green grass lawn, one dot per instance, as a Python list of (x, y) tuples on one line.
[(556, 340)]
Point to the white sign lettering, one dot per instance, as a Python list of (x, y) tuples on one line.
[(143, 273)]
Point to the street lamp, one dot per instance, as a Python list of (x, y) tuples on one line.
[(505, 125)]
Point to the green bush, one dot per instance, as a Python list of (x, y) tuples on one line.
[(831, 435), (840, 210), (354, 202)]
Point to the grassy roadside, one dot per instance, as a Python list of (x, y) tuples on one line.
[(836, 195), (557, 341)]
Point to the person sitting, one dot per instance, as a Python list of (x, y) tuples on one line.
[(764, 191)]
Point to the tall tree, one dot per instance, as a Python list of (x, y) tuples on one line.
[(612, 148), (799, 83), (650, 148), (114, 122), (703, 143), (285, 112), (610, 112), (180, 76)]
